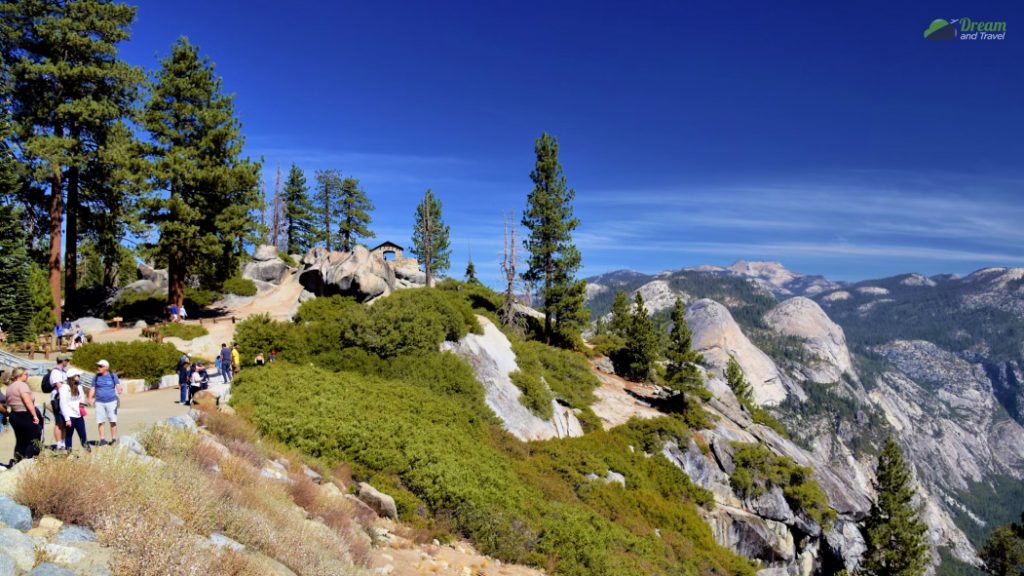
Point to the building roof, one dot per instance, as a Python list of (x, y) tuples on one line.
[(386, 244)]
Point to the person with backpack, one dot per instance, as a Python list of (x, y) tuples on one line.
[(52, 382), (25, 420), (236, 358), (72, 410), (225, 362), (106, 388)]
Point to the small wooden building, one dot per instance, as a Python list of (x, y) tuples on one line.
[(388, 251)]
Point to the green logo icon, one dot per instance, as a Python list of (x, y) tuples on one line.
[(940, 29)]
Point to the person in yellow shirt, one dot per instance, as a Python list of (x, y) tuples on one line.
[(236, 358)]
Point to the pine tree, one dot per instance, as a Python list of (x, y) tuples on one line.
[(328, 197), (1003, 551), (896, 537), (641, 349), (554, 259), (298, 213), (622, 317), (16, 306), (212, 192), (682, 372), (65, 94), (430, 237), (471, 273), (738, 382), (353, 215)]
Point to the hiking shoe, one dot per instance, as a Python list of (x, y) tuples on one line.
[(102, 443), (114, 441)]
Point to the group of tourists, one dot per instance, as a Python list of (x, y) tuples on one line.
[(176, 313), (69, 398), (72, 334)]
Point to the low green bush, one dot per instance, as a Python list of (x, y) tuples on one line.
[(183, 331), (198, 298), (566, 373), (438, 449), (138, 359), (239, 286), (758, 469), (287, 259)]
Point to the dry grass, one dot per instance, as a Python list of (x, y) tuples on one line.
[(156, 515)]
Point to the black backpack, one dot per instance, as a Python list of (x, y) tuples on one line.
[(46, 386)]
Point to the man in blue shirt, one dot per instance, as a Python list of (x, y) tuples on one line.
[(106, 389), (225, 362)]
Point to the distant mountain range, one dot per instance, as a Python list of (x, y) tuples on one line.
[(936, 361)]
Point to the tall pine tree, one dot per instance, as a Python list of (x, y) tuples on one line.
[(738, 382), (622, 317), (65, 93), (328, 198), (682, 372), (16, 309), (300, 233), (206, 214), (1003, 551), (641, 350), (430, 241), (554, 259), (354, 219), (896, 538)]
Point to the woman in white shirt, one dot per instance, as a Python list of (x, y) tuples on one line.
[(72, 399)]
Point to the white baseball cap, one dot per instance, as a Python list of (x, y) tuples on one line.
[(74, 372), (103, 363)]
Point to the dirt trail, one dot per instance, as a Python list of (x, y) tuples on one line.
[(618, 400)]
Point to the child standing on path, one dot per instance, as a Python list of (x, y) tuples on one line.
[(72, 400)]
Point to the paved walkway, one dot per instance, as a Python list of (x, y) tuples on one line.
[(136, 412)]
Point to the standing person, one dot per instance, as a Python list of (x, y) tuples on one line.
[(236, 358), (174, 312), (106, 389), (216, 363), (184, 381), (56, 378), (21, 408), (72, 400), (273, 355), (182, 313), (225, 362), (198, 381)]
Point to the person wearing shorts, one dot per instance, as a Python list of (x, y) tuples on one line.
[(106, 389)]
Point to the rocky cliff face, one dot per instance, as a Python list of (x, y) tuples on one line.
[(823, 339), (358, 273), (718, 337)]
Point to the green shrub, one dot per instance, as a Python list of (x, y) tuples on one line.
[(259, 334), (535, 393), (183, 331), (287, 259), (762, 416), (567, 374), (758, 469), (239, 286), (437, 448), (138, 359)]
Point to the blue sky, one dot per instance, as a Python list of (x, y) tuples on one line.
[(831, 137)]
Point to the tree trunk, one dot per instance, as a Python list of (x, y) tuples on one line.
[(175, 281), (428, 245), (56, 219), (71, 241), (548, 273)]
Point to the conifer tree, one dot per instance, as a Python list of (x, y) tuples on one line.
[(622, 317), (471, 273), (65, 93), (554, 259), (328, 198), (430, 237), (1003, 551), (211, 190), (16, 306), (738, 382), (641, 349), (353, 215), (682, 373), (896, 537), (298, 213)]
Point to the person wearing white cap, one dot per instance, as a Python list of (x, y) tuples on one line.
[(106, 388), (71, 400)]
